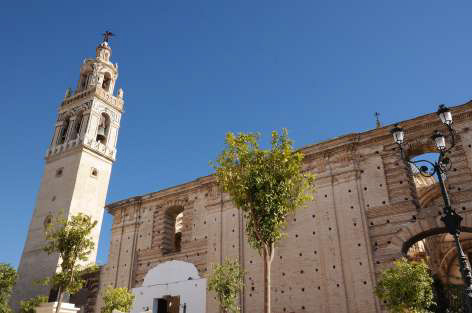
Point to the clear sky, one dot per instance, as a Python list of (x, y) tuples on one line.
[(193, 70)]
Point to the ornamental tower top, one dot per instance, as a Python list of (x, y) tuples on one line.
[(99, 71), (94, 104)]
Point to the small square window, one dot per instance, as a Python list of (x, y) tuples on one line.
[(59, 172), (47, 221), (94, 172)]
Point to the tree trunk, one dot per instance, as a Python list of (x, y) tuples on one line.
[(268, 253), (61, 292), (59, 300)]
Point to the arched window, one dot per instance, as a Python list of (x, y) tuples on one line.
[(47, 221), (426, 189), (106, 81), (178, 231), (86, 71), (103, 128), (63, 135), (173, 226), (76, 130), (83, 81)]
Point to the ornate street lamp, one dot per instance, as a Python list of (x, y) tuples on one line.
[(451, 219)]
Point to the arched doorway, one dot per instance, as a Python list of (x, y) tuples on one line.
[(171, 287)]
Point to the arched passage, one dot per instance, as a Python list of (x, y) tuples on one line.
[(428, 240), (428, 233)]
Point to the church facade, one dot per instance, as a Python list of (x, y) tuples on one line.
[(369, 209)]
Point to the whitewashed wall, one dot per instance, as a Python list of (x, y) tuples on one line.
[(174, 278)]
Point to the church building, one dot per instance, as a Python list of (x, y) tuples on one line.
[(369, 209)]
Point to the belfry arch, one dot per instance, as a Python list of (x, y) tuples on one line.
[(106, 81), (103, 128)]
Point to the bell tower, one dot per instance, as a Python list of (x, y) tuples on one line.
[(78, 165)]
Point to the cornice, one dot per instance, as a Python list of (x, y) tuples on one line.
[(68, 148), (165, 195), (98, 92)]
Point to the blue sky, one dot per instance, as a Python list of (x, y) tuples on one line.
[(193, 70)]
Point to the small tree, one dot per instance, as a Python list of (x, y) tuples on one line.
[(117, 298), (266, 185), (8, 277), (71, 240), (29, 306), (226, 280), (406, 287)]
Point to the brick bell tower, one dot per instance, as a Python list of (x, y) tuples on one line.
[(78, 165)]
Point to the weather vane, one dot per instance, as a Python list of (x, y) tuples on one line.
[(107, 35)]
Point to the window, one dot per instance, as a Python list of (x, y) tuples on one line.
[(94, 172), (424, 189), (106, 81), (63, 134), (47, 221), (103, 127), (59, 172), (83, 81), (76, 129), (173, 226), (178, 231)]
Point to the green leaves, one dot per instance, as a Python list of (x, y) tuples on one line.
[(29, 306), (226, 280), (266, 184), (71, 240), (117, 298), (8, 277), (407, 287)]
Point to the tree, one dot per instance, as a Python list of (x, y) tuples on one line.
[(266, 185), (29, 306), (117, 298), (226, 280), (71, 240), (406, 287), (8, 277)]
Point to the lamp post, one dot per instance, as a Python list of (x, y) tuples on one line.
[(451, 219)]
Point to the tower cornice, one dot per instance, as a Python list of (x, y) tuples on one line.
[(72, 146), (90, 93)]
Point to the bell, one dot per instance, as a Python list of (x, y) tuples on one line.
[(101, 134)]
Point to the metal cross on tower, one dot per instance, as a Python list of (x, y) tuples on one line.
[(377, 120)]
